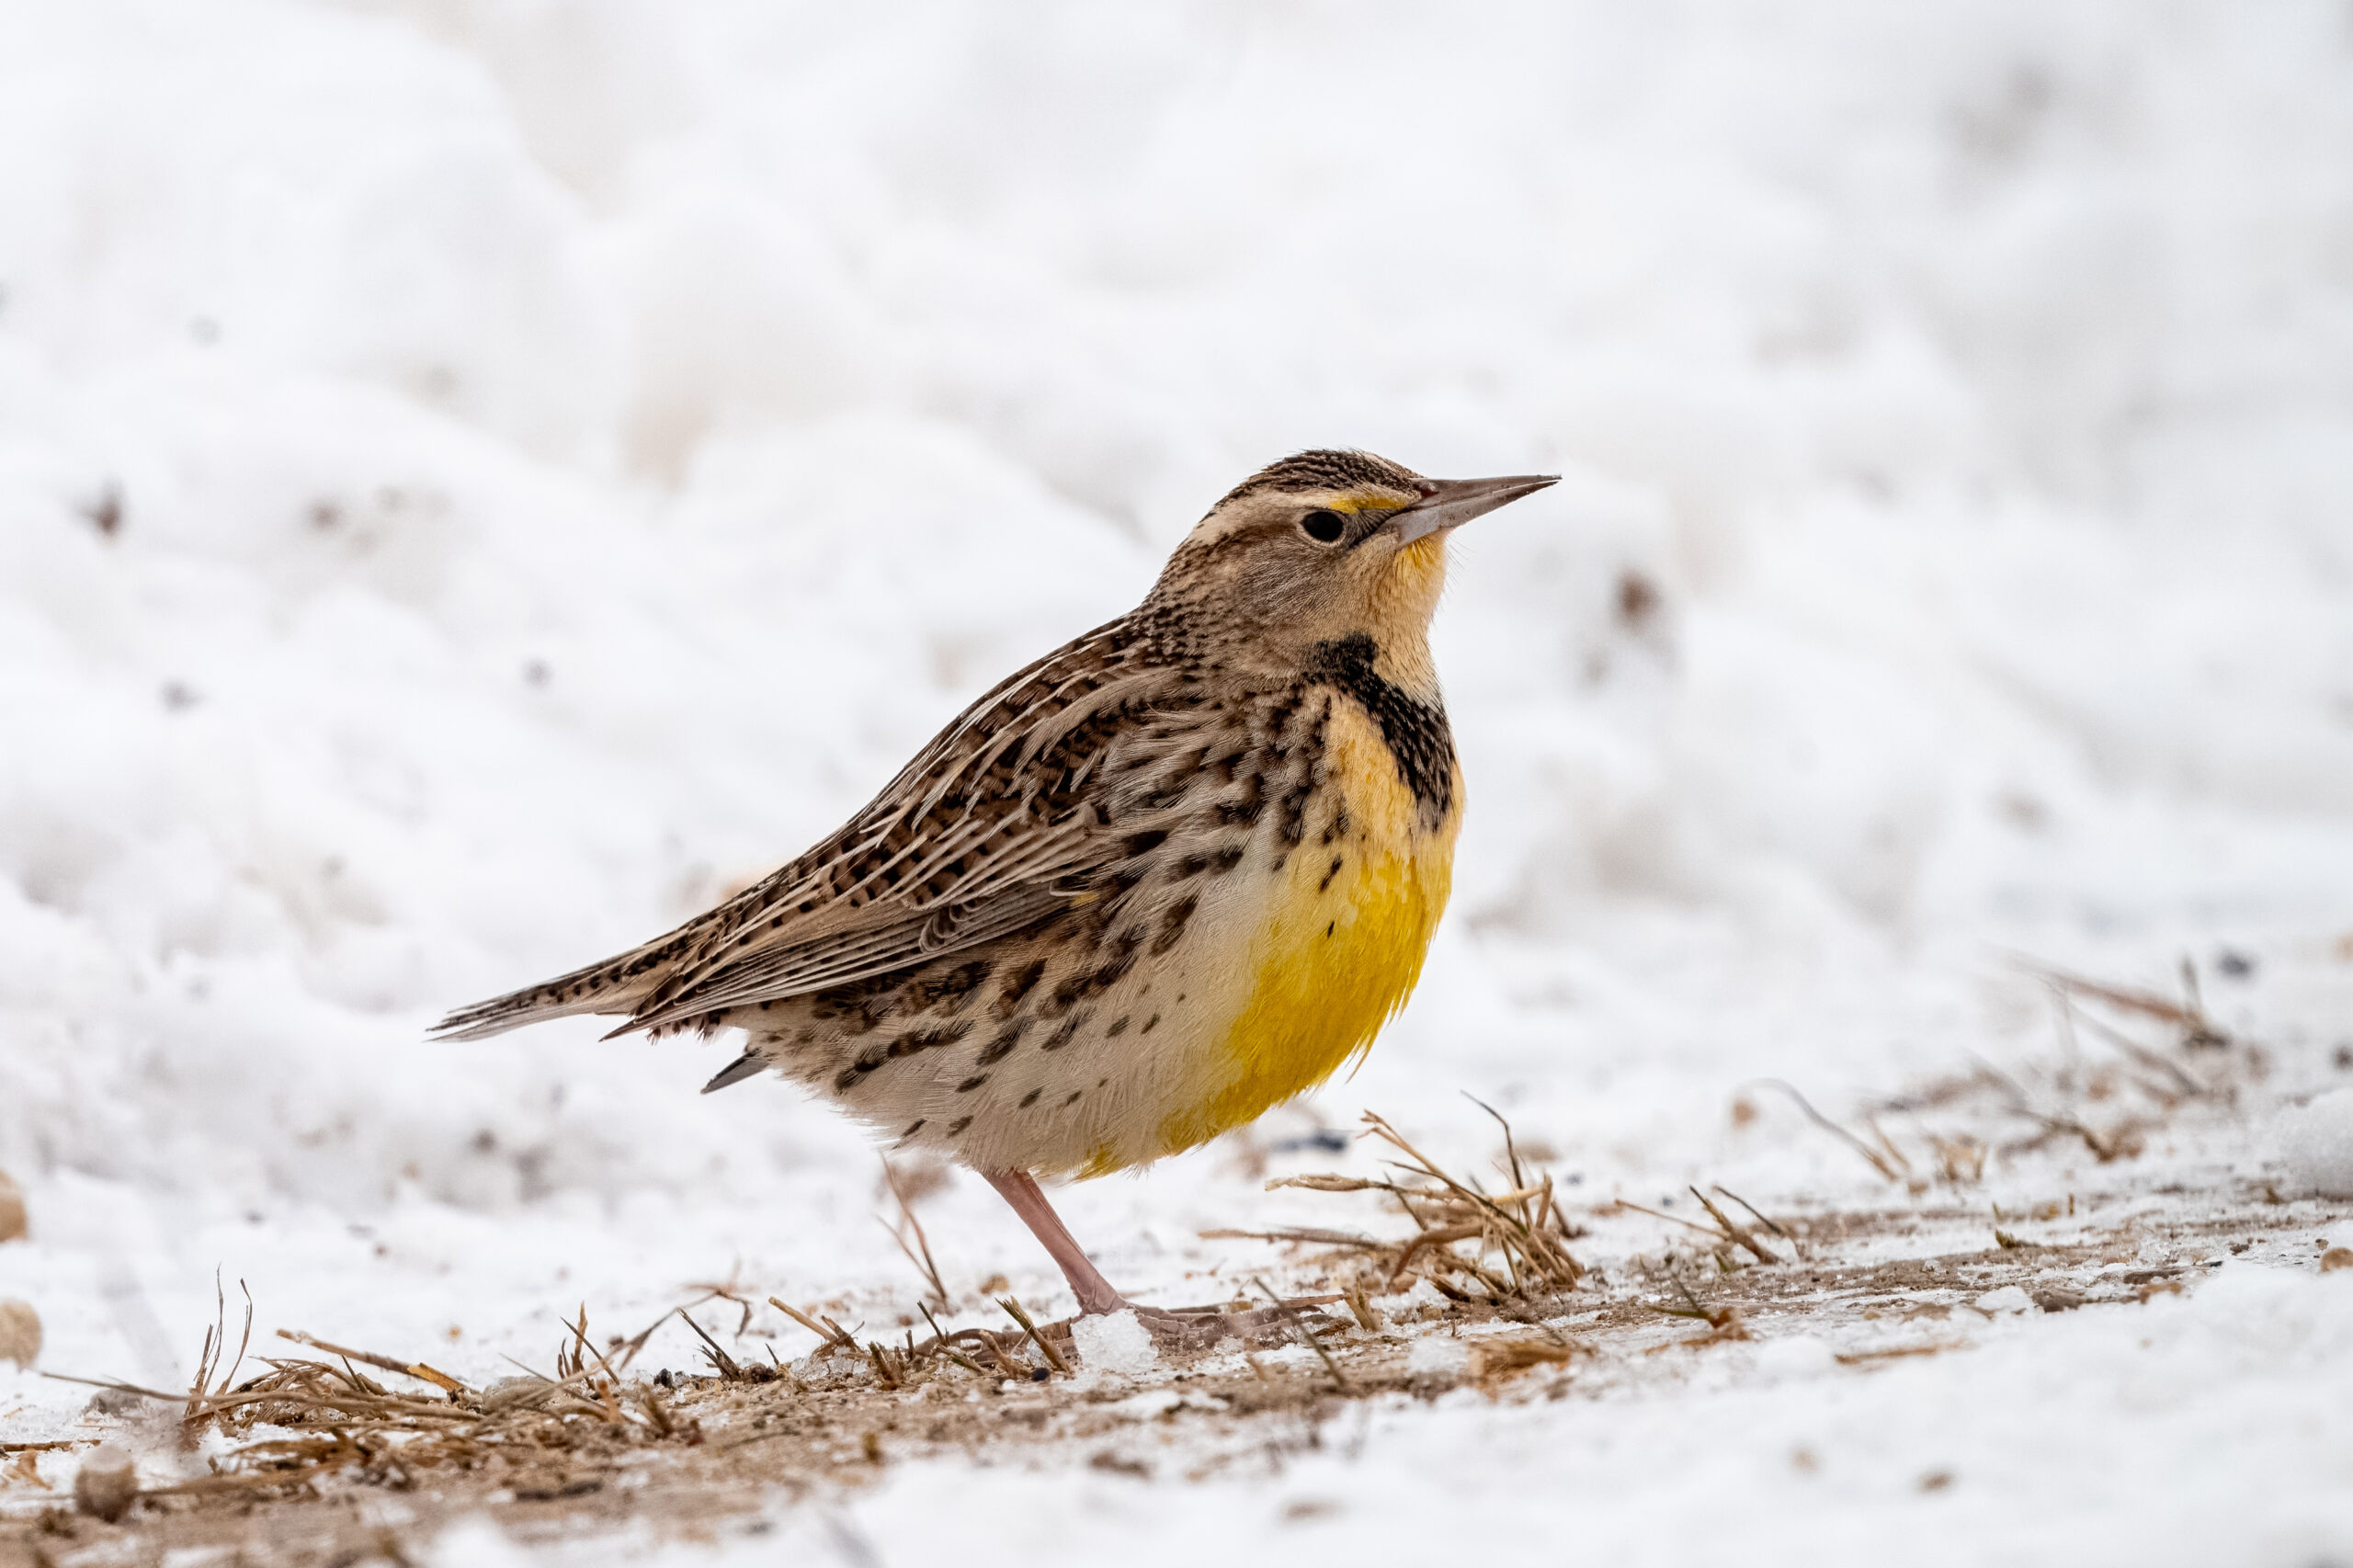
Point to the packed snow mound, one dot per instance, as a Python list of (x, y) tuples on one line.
[(2315, 1142), (1115, 1345)]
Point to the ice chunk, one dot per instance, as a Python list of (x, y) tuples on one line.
[(1115, 1343), (1436, 1356), (1798, 1356), (2315, 1142)]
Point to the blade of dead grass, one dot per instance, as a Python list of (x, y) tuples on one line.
[(2119, 1143), (1511, 1224), (216, 1340), (1757, 1214), (1869, 1357), (1493, 1359), (723, 1362), (1309, 1237), (417, 1370), (2198, 1030), (1434, 1239), (939, 1338), (920, 1254), (1723, 1323), (1524, 1225), (1511, 1151), (1671, 1219), (1013, 1366), (824, 1328), (1015, 1311), (2190, 1086), (1733, 1229), (1877, 1161), (1307, 1335)]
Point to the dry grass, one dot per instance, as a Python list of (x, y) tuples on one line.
[(1521, 1255), (1728, 1238), (2179, 1059), (305, 1420), (589, 1441)]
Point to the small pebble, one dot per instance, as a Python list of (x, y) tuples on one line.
[(12, 1210), (106, 1485), (19, 1332)]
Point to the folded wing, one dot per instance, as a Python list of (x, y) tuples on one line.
[(1029, 803)]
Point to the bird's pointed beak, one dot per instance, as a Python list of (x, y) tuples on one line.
[(1450, 503)]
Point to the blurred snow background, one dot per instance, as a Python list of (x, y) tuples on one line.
[(478, 479)]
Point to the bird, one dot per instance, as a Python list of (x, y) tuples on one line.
[(1175, 873)]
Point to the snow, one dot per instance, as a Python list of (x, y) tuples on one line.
[(1827, 1470), (2315, 1142), (1437, 1355), (1116, 1344), (2009, 1299), (476, 482)]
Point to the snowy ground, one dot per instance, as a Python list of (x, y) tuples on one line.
[(476, 480)]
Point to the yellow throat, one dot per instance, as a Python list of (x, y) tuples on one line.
[(1343, 941)]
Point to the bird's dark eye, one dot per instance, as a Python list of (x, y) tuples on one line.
[(1324, 528)]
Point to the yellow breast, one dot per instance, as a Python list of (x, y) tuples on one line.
[(1339, 947)]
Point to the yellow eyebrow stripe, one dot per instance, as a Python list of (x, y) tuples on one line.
[(1369, 501)]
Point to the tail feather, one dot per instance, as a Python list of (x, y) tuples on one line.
[(750, 1064), (613, 986)]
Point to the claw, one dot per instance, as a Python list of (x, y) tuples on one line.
[(1197, 1328)]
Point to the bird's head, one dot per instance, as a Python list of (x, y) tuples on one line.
[(1327, 545)]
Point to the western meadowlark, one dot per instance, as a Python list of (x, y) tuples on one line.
[(1159, 882)]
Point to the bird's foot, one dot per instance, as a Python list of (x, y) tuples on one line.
[(1197, 1328)]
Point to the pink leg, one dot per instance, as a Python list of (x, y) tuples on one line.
[(1094, 1292)]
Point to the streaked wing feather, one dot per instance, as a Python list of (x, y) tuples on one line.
[(850, 956), (1034, 858), (1018, 810)]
